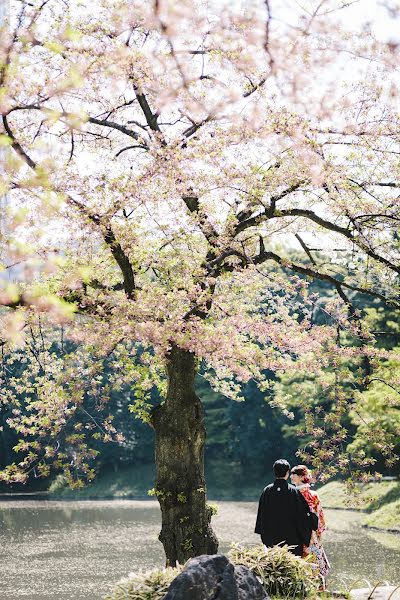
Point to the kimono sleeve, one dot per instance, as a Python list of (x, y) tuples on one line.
[(261, 514), (303, 519), (321, 516)]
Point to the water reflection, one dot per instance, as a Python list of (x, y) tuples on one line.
[(77, 550), (73, 550)]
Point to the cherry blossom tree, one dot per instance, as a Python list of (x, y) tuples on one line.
[(161, 157)]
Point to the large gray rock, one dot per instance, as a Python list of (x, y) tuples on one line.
[(215, 578)]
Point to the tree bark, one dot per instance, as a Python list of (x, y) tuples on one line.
[(179, 453)]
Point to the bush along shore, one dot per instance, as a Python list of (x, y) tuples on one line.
[(134, 482), (380, 500)]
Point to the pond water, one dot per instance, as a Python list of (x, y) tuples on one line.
[(77, 550)]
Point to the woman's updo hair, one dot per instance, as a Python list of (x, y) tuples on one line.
[(303, 472)]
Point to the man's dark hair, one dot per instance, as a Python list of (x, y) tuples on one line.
[(281, 467)]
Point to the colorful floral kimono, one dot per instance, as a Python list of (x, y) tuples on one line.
[(319, 558)]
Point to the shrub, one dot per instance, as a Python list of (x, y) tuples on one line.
[(152, 585), (282, 573)]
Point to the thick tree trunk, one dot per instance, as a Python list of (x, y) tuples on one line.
[(180, 484)]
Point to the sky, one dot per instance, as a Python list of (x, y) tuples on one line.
[(3, 8), (375, 11)]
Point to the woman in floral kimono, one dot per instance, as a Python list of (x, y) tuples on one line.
[(301, 478)]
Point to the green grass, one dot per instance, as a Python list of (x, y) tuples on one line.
[(381, 500), (387, 517), (368, 496)]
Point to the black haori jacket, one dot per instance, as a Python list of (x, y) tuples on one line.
[(283, 515)]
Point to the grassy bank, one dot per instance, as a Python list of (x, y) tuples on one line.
[(134, 482), (387, 517), (381, 500)]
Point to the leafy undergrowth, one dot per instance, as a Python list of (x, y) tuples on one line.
[(282, 574), (152, 585)]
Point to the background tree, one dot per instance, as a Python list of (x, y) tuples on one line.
[(162, 155), (347, 420)]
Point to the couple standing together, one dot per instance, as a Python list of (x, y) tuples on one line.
[(293, 515)]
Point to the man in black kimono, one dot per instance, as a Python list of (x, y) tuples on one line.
[(283, 514)]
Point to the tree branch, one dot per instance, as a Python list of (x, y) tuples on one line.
[(386, 383), (309, 214), (254, 87), (121, 258), (207, 228), (312, 216), (140, 146), (17, 146), (246, 220), (116, 249), (306, 249), (151, 118), (264, 256), (112, 125), (196, 126), (102, 122)]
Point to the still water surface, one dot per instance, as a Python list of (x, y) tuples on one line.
[(51, 550)]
